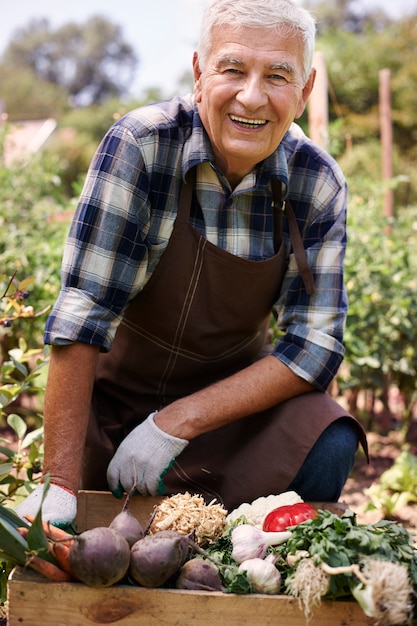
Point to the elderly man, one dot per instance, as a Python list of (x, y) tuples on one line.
[(200, 218)]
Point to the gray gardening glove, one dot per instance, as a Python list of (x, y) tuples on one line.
[(59, 506), (143, 458)]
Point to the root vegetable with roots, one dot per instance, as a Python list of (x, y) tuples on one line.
[(126, 523), (384, 590), (99, 557)]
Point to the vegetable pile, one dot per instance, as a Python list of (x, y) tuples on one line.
[(291, 549)]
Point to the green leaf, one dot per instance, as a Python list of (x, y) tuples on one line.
[(6, 397), (22, 369), (23, 346), (12, 544), (37, 540), (17, 424), (34, 435), (7, 452), (239, 584), (6, 479), (24, 284), (9, 516), (6, 468)]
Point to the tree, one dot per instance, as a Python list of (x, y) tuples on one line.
[(89, 62), (354, 61), (346, 15), (27, 97)]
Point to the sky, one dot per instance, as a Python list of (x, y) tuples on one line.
[(163, 33)]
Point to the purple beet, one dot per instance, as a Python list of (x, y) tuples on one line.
[(155, 558), (127, 524), (99, 557), (197, 574)]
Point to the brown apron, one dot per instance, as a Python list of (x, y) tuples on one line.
[(203, 315)]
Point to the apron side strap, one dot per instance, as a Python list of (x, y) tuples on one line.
[(299, 252)]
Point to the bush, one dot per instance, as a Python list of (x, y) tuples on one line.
[(381, 271), (32, 235)]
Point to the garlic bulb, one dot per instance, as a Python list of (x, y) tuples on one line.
[(250, 542), (262, 575)]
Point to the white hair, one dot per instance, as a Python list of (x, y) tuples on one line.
[(254, 14)]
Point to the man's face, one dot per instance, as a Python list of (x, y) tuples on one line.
[(249, 93)]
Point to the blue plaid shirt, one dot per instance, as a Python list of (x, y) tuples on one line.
[(126, 214)]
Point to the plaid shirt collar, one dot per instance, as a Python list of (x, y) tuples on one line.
[(198, 149)]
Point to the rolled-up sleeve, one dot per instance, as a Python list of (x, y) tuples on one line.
[(312, 326), (105, 256)]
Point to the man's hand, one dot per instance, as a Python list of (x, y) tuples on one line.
[(59, 506), (143, 458)]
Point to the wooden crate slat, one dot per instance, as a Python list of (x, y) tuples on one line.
[(34, 601)]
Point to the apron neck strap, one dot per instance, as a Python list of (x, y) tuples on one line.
[(280, 207)]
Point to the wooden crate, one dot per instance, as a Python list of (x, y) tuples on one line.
[(33, 601)]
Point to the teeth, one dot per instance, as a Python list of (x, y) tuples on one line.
[(244, 120)]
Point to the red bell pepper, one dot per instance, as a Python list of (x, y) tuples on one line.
[(289, 515)]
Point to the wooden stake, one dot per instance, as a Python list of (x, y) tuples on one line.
[(386, 139)]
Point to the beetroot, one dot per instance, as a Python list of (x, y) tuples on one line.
[(155, 558), (99, 557), (199, 575), (127, 524)]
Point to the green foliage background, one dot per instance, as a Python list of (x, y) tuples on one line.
[(32, 234), (381, 279)]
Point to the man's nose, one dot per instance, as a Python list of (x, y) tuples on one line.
[(252, 93)]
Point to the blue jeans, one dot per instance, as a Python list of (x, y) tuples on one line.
[(326, 469)]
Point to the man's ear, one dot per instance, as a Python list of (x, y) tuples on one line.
[(197, 74), (307, 89)]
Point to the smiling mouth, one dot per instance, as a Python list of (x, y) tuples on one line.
[(248, 123)]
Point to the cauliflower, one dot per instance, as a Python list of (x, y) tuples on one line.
[(256, 512)]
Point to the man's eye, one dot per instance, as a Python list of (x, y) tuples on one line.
[(278, 78)]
